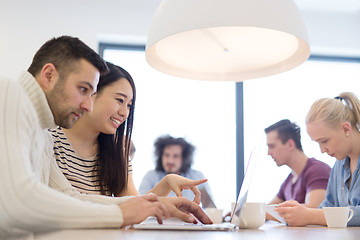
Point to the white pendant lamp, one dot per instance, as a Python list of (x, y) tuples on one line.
[(230, 40)]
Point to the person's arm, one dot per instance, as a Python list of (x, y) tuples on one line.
[(275, 200), (134, 209), (316, 177), (59, 182), (130, 189), (208, 200), (177, 183), (26, 202), (296, 214), (138, 208), (314, 198), (185, 210)]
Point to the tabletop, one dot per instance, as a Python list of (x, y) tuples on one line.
[(270, 230)]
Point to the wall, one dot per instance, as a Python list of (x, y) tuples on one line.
[(26, 25), (333, 33)]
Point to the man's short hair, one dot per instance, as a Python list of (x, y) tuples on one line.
[(286, 130), (64, 52), (187, 151)]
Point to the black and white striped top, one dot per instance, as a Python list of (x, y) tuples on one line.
[(79, 171)]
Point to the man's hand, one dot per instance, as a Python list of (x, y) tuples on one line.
[(177, 184), (185, 210), (137, 209)]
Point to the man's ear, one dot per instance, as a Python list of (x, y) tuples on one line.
[(291, 143), (48, 77)]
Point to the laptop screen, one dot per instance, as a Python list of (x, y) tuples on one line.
[(249, 172)]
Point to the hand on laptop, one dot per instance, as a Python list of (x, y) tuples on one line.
[(185, 210), (177, 183), (138, 208)]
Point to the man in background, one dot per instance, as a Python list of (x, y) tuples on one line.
[(175, 156), (308, 179)]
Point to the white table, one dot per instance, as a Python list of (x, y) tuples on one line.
[(269, 230)]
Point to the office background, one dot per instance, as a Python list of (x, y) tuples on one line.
[(334, 33)]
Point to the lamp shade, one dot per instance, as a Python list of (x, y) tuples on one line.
[(230, 40)]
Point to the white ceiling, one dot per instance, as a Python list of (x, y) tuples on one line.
[(344, 6), (347, 6)]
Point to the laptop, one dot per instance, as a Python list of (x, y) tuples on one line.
[(206, 199), (176, 224)]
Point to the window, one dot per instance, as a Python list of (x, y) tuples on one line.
[(290, 95), (200, 111), (204, 113)]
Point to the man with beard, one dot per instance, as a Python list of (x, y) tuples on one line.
[(56, 90), (175, 156)]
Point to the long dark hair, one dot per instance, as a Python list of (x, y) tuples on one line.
[(112, 163)]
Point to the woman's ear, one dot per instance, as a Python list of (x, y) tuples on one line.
[(48, 77), (346, 127)]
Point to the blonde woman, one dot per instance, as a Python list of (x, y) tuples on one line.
[(333, 124)]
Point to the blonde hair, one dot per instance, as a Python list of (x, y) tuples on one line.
[(334, 111)]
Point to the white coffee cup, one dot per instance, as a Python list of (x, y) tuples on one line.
[(253, 215), (337, 217), (215, 214)]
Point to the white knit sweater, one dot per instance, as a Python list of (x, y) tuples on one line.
[(27, 168)]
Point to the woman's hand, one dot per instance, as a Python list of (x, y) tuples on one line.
[(177, 184), (294, 213)]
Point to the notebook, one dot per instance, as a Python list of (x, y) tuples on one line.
[(176, 224)]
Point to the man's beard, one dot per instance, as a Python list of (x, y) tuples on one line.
[(62, 115), (172, 170)]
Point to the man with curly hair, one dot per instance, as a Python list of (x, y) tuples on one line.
[(175, 156)]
